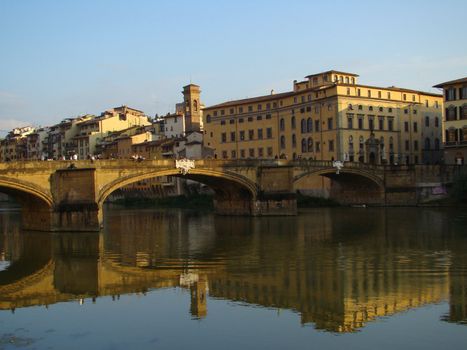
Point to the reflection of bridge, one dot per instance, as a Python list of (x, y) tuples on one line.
[(379, 271), (64, 196)]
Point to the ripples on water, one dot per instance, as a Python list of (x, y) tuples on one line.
[(337, 270)]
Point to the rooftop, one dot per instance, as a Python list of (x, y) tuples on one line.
[(331, 72), (457, 81)]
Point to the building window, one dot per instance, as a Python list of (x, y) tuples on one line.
[(369, 93), (242, 153), (407, 145), (310, 144), (232, 136), (251, 134), (450, 94), (404, 97), (268, 116), (251, 152), (360, 123), (348, 90), (330, 124), (292, 122), (451, 113), (208, 118), (260, 107), (260, 134), (379, 94), (413, 98), (304, 148), (250, 108), (242, 135), (260, 152), (316, 125), (222, 122), (294, 141), (381, 123), (309, 125), (359, 92), (415, 127), (240, 120), (406, 111), (259, 117), (303, 126), (231, 111), (427, 143), (223, 137), (437, 144), (463, 111), (427, 121), (349, 121), (436, 122), (269, 151), (250, 119), (233, 154), (406, 126), (415, 145), (282, 124), (360, 107), (331, 145), (240, 109), (282, 142), (232, 121), (268, 106), (317, 147), (371, 123), (269, 133), (224, 154), (390, 124)]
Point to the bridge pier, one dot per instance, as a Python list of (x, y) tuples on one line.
[(75, 195)]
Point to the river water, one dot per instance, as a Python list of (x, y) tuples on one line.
[(359, 278)]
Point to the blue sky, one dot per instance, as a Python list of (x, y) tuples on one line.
[(62, 58)]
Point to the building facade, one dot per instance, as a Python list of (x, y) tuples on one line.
[(329, 116), (455, 122)]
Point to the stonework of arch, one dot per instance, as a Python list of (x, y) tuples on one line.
[(18, 188), (323, 172), (194, 174)]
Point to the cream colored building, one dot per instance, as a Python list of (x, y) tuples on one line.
[(93, 131), (330, 116), (455, 122)]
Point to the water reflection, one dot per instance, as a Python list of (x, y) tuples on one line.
[(339, 269)]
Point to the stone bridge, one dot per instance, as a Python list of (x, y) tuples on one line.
[(69, 195)]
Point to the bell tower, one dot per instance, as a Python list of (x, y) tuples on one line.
[(191, 94)]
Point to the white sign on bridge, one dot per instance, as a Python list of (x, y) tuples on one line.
[(184, 165)]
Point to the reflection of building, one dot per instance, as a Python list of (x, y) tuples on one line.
[(329, 116), (339, 271), (455, 123)]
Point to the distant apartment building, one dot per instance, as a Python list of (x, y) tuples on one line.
[(61, 137), (37, 144), (455, 122), (330, 116), (93, 131), (14, 146)]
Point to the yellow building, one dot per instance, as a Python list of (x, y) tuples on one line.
[(329, 116), (455, 123), (92, 132)]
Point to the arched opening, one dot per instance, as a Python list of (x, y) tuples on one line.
[(36, 207), (349, 187), (233, 194)]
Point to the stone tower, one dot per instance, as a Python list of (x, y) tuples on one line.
[(191, 94)]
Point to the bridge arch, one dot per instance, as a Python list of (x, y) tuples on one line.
[(350, 186), (20, 190), (36, 204), (231, 190)]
